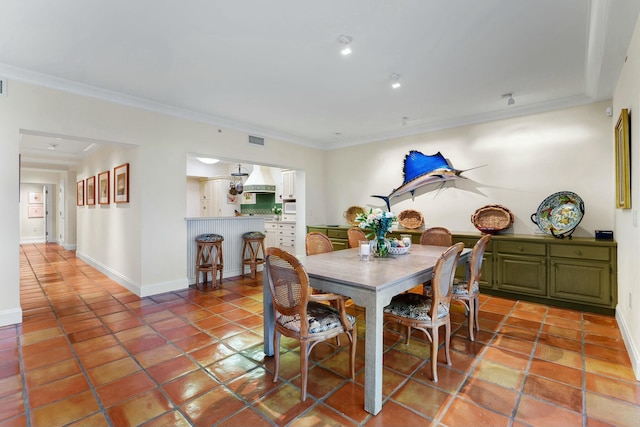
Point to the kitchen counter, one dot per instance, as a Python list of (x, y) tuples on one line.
[(231, 228)]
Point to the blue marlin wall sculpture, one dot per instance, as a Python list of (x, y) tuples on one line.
[(421, 169)]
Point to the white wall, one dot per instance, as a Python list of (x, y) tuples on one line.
[(627, 95), (523, 160), (146, 245), (31, 229)]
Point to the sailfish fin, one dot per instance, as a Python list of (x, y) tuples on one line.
[(386, 200)]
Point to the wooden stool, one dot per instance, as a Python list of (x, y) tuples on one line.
[(253, 251), (209, 259)]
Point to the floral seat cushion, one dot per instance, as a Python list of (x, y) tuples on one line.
[(458, 289), (321, 318), (413, 306)]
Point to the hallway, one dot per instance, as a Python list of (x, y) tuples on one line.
[(91, 353)]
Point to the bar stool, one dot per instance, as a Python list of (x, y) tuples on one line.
[(209, 259), (253, 251)]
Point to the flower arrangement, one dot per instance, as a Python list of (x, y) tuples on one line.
[(377, 222), (277, 210)]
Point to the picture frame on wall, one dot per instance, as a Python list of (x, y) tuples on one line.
[(103, 188), (121, 183), (91, 190), (80, 193), (36, 211), (623, 168), (35, 198)]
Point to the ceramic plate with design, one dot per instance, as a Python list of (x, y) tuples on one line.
[(559, 214)]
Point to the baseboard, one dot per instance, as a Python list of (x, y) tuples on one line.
[(28, 240), (10, 317), (141, 291), (161, 288), (110, 273), (632, 350)]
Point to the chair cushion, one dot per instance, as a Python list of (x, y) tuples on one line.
[(413, 306), (321, 318), (458, 289)]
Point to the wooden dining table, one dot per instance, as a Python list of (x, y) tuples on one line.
[(371, 284)]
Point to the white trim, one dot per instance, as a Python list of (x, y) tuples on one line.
[(33, 239), (633, 352), (141, 291), (11, 317)]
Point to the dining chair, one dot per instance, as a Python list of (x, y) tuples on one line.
[(436, 236), (302, 315), (317, 243), (355, 235), (468, 291), (429, 313)]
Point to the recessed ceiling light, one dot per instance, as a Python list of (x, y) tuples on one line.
[(345, 41), (395, 81), (207, 160)]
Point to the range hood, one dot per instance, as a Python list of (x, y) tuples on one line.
[(260, 181)]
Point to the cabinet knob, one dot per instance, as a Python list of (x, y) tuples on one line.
[(520, 248), (578, 252)]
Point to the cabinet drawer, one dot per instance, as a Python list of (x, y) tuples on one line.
[(579, 252), (286, 240), (339, 244), (286, 233), (270, 226), (337, 234), (287, 227), (470, 242), (519, 247), (317, 229)]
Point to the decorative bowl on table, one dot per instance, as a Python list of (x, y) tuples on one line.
[(398, 250)]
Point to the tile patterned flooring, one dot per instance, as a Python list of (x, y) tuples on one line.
[(91, 353)]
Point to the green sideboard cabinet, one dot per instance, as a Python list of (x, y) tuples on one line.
[(578, 273)]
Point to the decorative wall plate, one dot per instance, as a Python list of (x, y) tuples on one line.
[(559, 214)]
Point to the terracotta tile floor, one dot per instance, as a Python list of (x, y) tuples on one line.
[(90, 353)]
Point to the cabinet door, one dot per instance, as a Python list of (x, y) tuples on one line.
[(524, 274), (581, 281), (289, 184)]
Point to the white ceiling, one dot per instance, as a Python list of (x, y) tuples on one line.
[(273, 68)]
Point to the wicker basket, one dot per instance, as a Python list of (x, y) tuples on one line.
[(411, 219), (492, 219), (351, 213)]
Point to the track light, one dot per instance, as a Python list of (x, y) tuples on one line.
[(345, 41), (395, 81), (510, 100)]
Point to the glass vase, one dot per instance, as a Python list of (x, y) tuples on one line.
[(380, 246)]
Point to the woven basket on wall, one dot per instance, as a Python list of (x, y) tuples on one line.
[(411, 219), (492, 219), (351, 213)]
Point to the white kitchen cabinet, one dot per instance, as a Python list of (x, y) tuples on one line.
[(288, 184), (271, 228), (287, 236)]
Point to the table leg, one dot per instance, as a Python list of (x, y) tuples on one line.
[(373, 356), (268, 316)]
